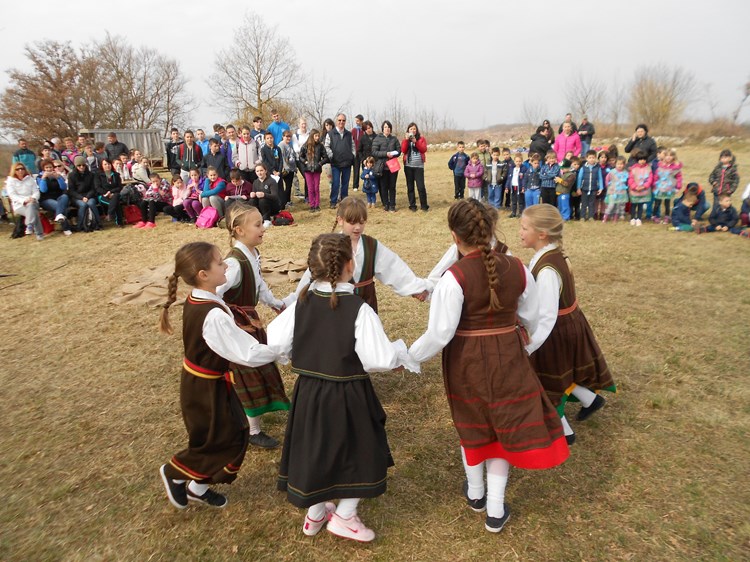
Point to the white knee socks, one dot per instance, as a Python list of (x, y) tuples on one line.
[(347, 507), (584, 395), (475, 478), (497, 479), (254, 425), (566, 426), (197, 489), (317, 512)]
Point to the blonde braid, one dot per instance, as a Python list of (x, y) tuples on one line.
[(164, 324)]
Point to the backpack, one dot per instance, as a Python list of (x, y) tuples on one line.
[(208, 218), (88, 224), (284, 218)]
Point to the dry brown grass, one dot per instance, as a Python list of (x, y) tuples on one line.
[(90, 408)]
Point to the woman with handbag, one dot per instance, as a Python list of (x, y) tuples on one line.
[(386, 150)]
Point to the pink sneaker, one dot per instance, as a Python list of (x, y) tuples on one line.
[(311, 527), (351, 528), (139, 224), (604, 219), (149, 225), (665, 220)]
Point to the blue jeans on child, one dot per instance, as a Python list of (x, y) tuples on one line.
[(532, 197), (495, 195), (563, 205)]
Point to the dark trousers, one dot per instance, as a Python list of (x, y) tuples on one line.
[(415, 175), (249, 175), (387, 188), (286, 189), (549, 196), (507, 197), (575, 206), (588, 204), (176, 212), (636, 210), (267, 207), (301, 169), (459, 186), (517, 203), (356, 170), (150, 208), (657, 207)]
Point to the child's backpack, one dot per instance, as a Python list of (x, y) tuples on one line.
[(132, 214), (284, 218), (208, 218)]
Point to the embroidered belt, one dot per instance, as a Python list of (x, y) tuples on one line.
[(571, 308), (199, 371)]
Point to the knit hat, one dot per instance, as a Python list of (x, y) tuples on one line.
[(79, 160)]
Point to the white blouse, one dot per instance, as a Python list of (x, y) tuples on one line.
[(374, 349), (449, 258), (445, 314), (549, 285), (389, 269), (234, 278), (228, 340), (20, 190)]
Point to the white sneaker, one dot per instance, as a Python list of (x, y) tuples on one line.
[(632, 222), (40, 237), (29, 230), (60, 218), (67, 232), (267, 224), (638, 222), (311, 527), (351, 528)]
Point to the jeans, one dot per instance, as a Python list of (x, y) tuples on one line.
[(495, 195), (57, 206), (563, 205), (91, 204), (531, 197), (585, 147), (701, 206), (650, 206), (588, 204), (415, 175), (340, 187)]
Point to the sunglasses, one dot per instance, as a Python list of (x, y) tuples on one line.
[(22, 169), (58, 166)]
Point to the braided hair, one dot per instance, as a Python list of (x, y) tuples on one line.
[(326, 260), (236, 215), (189, 260), (473, 224), (352, 210)]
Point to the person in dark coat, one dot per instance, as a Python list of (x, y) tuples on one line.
[(641, 142)]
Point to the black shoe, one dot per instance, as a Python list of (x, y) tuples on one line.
[(425, 209), (512, 216), (333, 205), (263, 441), (176, 493), (496, 524), (413, 209), (597, 404), (211, 498), (477, 505), (570, 438)]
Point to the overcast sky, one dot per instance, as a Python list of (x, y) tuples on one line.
[(475, 61)]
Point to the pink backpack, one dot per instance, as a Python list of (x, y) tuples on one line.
[(207, 218)]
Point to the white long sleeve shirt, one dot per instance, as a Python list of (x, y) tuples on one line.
[(372, 346), (20, 190), (234, 278), (445, 314), (228, 340), (389, 269), (449, 258), (549, 285)]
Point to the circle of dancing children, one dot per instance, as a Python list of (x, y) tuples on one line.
[(488, 378), (335, 446), (563, 349), (372, 259), (213, 416), (260, 389)]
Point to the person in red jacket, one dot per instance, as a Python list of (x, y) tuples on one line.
[(413, 147)]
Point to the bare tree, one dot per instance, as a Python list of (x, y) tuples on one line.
[(317, 101), (709, 98), (585, 95), (744, 99), (616, 105), (659, 95), (257, 69), (533, 112)]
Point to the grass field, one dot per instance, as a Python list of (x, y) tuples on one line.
[(90, 407)]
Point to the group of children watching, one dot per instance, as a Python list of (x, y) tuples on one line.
[(602, 186)]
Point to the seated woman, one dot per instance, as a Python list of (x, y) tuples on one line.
[(82, 191), (24, 197), (53, 191), (108, 186), (265, 194)]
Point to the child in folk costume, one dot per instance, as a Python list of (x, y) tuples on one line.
[(499, 408), (563, 348), (335, 444), (216, 425), (372, 259), (260, 389)]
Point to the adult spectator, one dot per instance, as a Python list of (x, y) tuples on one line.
[(586, 132), (299, 139), (23, 193), (641, 142), (82, 190), (44, 154), (365, 141), (386, 147), (25, 156), (547, 125), (357, 133), (414, 147), (114, 148), (568, 119), (540, 143), (53, 190), (108, 185), (339, 146), (189, 156), (277, 127), (57, 148), (265, 194), (567, 141)]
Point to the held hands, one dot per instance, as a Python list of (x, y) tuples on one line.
[(421, 297), (599, 192), (260, 194)]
